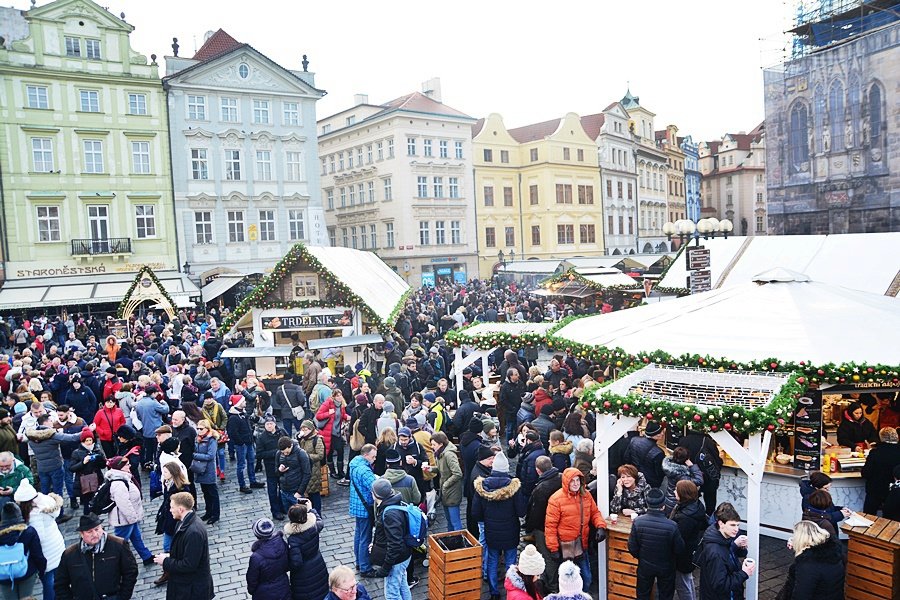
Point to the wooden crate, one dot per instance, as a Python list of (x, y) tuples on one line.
[(455, 574), (873, 560), (325, 489), (621, 566)]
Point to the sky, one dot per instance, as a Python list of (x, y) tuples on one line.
[(695, 63)]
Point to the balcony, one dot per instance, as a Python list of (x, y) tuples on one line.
[(108, 246)]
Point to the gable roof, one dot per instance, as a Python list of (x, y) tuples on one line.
[(477, 127), (592, 124), (535, 131), (419, 102), (70, 8), (218, 43)]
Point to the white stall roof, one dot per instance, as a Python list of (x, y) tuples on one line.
[(534, 267), (793, 320), (219, 286), (481, 329), (345, 342)]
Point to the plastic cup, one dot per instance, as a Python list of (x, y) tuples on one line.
[(613, 518)]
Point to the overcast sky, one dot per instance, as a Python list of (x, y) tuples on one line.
[(695, 63)]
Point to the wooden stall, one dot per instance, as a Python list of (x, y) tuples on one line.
[(621, 566), (454, 568), (873, 560)]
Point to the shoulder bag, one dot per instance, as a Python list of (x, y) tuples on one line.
[(296, 411), (369, 509), (574, 550)]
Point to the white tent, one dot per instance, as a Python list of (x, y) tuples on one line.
[(781, 313)]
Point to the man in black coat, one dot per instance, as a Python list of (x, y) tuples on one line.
[(412, 457), (267, 450), (389, 550), (655, 541), (879, 468), (187, 441), (463, 415), (187, 563), (284, 398), (294, 471), (644, 453), (370, 417), (544, 424), (100, 565), (511, 393), (549, 481)]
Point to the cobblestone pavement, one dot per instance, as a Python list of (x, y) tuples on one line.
[(230, 541)]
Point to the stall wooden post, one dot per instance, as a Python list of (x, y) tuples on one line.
[(873, 560), (454, 574)]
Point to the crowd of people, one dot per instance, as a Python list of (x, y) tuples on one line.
[(507, 456)]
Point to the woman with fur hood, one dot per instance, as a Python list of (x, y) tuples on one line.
[(678, 468), (570, 583), (40, 512), (309, 575), (522, 579), (14, 530)]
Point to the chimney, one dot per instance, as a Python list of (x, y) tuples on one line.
[(672, 135), (432, 88), (360, 99)]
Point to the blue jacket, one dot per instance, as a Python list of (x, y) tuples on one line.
[(28, 536), (361, 479), (525, 469), (238, 428), (833, 512), (151, 413), (205, 452)]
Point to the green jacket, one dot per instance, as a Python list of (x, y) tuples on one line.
[(451, 476), (314, 446), (8, 440), (15, 477)]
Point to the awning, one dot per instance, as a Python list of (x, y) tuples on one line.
[(344, 342), (257, 351), (219, 286)]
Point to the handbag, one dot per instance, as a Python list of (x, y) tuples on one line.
[(296, 411), (573, 550), (90, 483), (199, 467), (136, 420)]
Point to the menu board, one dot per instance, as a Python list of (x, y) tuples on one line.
[(808, 431)]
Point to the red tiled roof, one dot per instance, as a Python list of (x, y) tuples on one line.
[(218, 43), (477, 127), (592, 124), (536, 131), (419, 102)]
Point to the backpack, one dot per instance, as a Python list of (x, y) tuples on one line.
[(417, 524), (708, 465), (102, 502), (13, 561)]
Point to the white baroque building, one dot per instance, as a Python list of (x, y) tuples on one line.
[(244, 157), (616, 149)]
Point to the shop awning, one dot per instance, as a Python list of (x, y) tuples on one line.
[(344, 342), (257, 351), (219, 286)]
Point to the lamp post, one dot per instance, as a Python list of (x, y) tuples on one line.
[(501, 258), (697, 259), (512, 255), (186, 268)]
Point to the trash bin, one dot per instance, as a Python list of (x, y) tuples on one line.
[(454, 568)]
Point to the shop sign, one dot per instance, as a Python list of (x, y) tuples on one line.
[(443, 259), (428, 278), (459, 276), (118, 328), (444, 271), (808, 431), (697, 258), (699, 281), (25, 270), (333, 320)]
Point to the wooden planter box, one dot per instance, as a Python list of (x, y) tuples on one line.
[(621, 566), (873, 560), (325, 490), (454, 574)]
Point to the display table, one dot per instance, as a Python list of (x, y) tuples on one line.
[(873, 560), (621, 566)]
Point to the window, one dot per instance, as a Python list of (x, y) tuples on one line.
[(349, 159), (203, 229), (199, 164), (490, 237), (622, 224), (444, 149), (819, 117), (145, 221), (48, 223), (563, 193), (629, 191), (92, 49), (140, 158), (264, 165), (233, 165), (389, 234), (90, 100), (332, 236), (509, 234), (351, 120), (488, 195), (798, 138), (267, 225), (533, 195), (586, 234), (330, 199), (363, 240), (875, 112), (346, 237), (291, 113), (507, 196), (73, 46), (369, 154), (229, 110), (343, 197), (359, 152), (137, 104), (93, 156), (609, 224), (455, 236), (37, 96), (422, 186), (361, 190), (609, 193), (373, 236), (371, 190), (440, 234), (196, 108), (380, 148), (341, 161), (535, 235), (619, 189), (458, 146), (580, 155), (488, 155), (293, 166), (352, 189), (630, 225), (410, 146), (388, 191), (565, 234), (504, 156), (534, 154), (836, 114), (454, 187), (424, 231), (760, 225), (759, 197), (438, 187), (391, 148), (427, 145), (261, 111), (585, 194), (567, 154), (235, 226)]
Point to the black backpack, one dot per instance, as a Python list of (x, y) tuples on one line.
[(708, 464), (102, 502)]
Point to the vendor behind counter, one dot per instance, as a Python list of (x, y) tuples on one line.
[(855, 429)]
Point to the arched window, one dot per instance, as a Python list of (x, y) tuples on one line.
[(819, 117), (853, 101), (836, 115), (798, 137), (875, 113)]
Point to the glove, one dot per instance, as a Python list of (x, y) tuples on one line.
[(381, 572), (600, 535)]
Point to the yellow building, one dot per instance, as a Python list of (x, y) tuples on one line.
[(537, 190)]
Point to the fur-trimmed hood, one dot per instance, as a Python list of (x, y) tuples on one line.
[(40, 435), (292, 528), (17, 528), (562, 448), (497, 488), (514, 579), (676, 470), (48, 503)]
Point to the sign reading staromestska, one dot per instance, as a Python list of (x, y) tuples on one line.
[(333, 320)]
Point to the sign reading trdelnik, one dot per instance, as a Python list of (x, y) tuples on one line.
[(333, 320)]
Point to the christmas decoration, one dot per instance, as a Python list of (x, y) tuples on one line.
[(573, 276), (145, 271)]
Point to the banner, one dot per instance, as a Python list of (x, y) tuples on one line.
[(334, 320)]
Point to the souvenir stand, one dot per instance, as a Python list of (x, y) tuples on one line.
[(593, 286)]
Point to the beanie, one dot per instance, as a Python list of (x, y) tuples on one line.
[(484, 452), (25, 492), (3, 413), (501, 463), (429, 397), (655, 498), (531, 562), (388, 407), (87, 434), (413, 424), (382, 489), (390, 382), (488, 426), (117, 462), (362, 399), (392, 457), (653, 428), (169, 446), (547, 409), (263, 529), (308, 424), (475, 425), (570, 579)]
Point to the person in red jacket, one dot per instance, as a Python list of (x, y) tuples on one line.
[(107, 421), (334, 412), (112, 384)]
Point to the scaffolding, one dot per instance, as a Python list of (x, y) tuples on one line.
[(821, 23)]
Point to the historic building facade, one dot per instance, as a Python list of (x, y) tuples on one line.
[(537, 190), (244, 157), (616, 151), (396, 179), (84, 150), (667, 140), (692, 177)]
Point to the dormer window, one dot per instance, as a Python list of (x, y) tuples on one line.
[(243, 71)]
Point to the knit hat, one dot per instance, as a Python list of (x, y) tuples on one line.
[(11, 515), (169, 446), (484, 452), (388, 407), (488, 426), (25, 492), (429, 397), (655, 498), (547, 409), (268, 418), (404, 431), (390, 382), (475, 425), (413, 424), (362, 399), (235, 398), (389, 346), (3, 413), (111, 370), (19, 408), (87, 434), (263, 529), (118, 462), (392, 457), (653, 428), (501, 463), (570, 579), (382, 489), (308, 424), (530, 561)]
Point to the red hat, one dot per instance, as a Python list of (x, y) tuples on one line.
[(87, 434), (235, 398)]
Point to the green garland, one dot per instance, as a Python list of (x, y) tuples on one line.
[(739, 419), (573, 275), (460, 337), (678, 291), (144, 270), (297, 253)]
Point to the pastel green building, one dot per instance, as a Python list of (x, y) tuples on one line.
[(84, 151)]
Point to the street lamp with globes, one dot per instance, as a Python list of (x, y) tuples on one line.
[(709, 227)]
